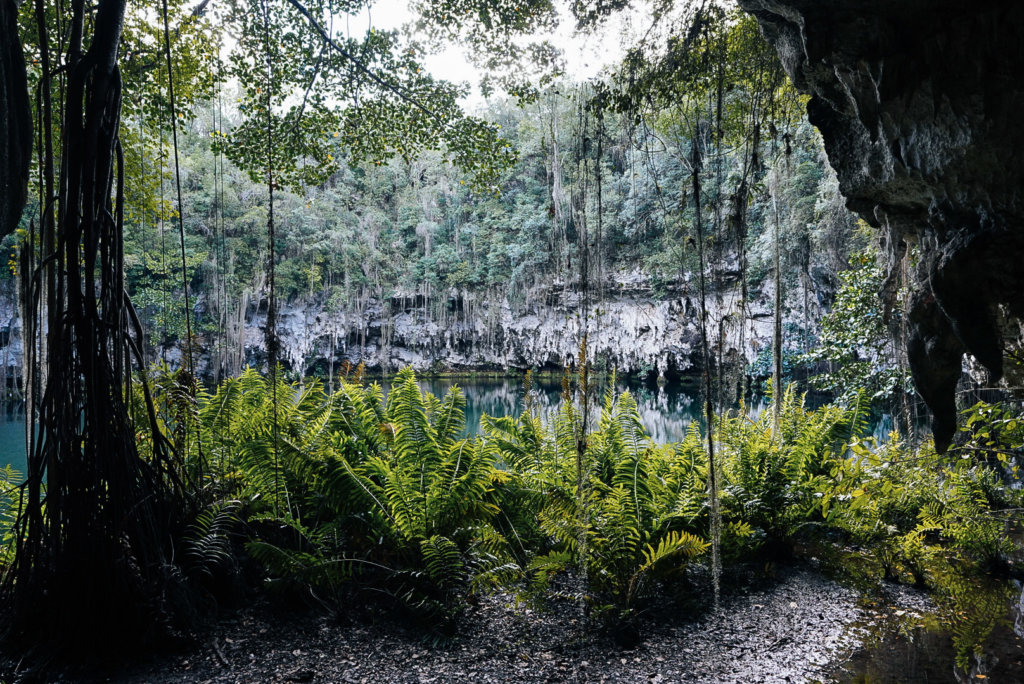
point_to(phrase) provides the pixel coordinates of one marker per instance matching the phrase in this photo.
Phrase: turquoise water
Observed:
(12, 441)
(666, 411)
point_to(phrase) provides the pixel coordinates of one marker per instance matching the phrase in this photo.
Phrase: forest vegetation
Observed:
(192, 169)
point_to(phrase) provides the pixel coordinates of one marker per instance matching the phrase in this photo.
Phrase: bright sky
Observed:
(585, 56)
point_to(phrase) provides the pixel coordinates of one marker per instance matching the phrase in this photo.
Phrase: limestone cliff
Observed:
(635, 324)
(919, 102)
(630, 326)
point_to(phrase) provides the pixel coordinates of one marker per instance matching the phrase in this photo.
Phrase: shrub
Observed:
(363, 494)
(621, 511)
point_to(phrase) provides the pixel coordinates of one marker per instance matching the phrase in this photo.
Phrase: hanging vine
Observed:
(107, 513)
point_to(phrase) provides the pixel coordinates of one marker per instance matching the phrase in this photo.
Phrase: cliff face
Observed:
(919, 105)
(11, 347)
(632, 327)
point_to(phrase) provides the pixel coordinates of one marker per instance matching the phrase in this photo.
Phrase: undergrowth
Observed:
(354, 494)
(8, 511)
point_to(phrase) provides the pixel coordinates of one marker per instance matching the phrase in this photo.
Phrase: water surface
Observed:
(12, 440)
(666, 410)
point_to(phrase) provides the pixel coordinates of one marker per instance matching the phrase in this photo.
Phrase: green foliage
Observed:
(855, 341)
(145, 109)
(355, 494)
(9, 497)
(962, 512)
(774, 480)
(631, 525)
(912, 507)
(937, 521)
(995, 433)
(497, 35)
(208, 542)
(761, 366)
(941, 522)
(349, 493)
(170, 400)
(293, 61)
(358, 493)
(430, 500)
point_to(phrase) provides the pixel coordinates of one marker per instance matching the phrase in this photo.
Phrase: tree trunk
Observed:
(15, 121)
(777, 327)
(93, 566)
(715, 526)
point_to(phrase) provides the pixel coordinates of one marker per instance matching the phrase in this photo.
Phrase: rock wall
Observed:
(631, 327)
(11, 347)
(918, 102)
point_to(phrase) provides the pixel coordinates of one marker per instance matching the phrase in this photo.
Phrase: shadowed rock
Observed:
(918, 103)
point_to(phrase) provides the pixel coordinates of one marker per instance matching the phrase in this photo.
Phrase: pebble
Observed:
(790, 629)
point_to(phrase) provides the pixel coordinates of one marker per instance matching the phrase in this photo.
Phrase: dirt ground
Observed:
(793, 627)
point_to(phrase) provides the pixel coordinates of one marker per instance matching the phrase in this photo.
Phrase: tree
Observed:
(856, 340)
(15, 122)
(97, 549)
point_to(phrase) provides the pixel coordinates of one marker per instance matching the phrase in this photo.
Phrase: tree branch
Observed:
(361, 66)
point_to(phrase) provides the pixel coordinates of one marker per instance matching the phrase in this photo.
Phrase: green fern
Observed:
(775, 475)
(385, 496)
(673, 543)
(207, 544)
(637, 499)
(8, 512)
(442, 560)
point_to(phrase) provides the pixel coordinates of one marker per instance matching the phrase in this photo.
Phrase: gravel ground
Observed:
(794, 628)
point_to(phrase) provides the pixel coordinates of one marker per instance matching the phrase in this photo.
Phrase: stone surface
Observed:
(633, 327)
(788, 630)
(919, 102)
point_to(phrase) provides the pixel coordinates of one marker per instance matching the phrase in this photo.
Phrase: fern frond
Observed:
(443, 562)
(207, 544)
(450, 421)
(674, 543)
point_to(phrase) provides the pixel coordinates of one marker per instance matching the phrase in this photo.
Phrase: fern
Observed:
(673, 543)
(774, 478)
(207, 544)
(8, 508)
(443, 562)
(384, 496)
(635, 503)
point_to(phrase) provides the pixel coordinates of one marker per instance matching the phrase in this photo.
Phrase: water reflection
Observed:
(666, 411)
(975, 636)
